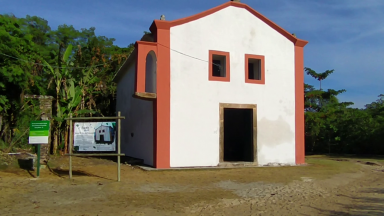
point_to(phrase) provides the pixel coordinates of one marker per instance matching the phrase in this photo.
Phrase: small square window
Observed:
(219, 66)
(254, 69)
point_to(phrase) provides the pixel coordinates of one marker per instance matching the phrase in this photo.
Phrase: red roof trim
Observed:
(161, 24)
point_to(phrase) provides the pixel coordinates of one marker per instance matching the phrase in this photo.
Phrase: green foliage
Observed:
(333, 127)
(74, 66)
(19, 75)
(318, 76)
(16, 131)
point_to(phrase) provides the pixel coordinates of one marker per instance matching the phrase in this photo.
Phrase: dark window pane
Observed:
(254, 69)
(216, 66)
(251, 74)
(257, 69)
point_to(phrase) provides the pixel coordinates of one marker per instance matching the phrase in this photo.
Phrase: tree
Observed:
(334, 127)
(322, 116)
(74, 66)
(19, 75)
(319, 76)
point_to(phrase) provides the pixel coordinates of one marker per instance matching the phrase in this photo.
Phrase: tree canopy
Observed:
(74, 66)
(334, 127)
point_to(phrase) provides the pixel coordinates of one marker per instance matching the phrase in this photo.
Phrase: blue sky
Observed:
(345, 35)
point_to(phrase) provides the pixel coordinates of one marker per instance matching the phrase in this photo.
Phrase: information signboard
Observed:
(94, 136)
(38, 132)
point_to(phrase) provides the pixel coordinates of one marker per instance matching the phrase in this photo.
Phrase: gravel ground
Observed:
(249, 191)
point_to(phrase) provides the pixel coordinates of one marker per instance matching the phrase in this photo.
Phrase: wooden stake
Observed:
(70, 146)
(118, 146)
(38, 160)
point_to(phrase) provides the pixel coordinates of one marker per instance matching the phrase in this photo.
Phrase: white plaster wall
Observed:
(195, 100)
(138, 120)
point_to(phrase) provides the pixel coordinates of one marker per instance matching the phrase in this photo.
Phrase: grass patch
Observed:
(319, 168)
(372, 158)
(7, 162)
(322, 168)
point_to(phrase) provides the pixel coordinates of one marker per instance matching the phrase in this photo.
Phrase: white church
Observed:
(220, 87)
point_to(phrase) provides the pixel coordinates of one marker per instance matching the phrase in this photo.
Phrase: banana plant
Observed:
(68, 94)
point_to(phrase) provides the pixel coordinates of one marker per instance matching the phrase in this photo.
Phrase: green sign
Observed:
(38, 132)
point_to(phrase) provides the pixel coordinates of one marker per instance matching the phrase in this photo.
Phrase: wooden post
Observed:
(38, 160)
(70, 146)
(118, 146)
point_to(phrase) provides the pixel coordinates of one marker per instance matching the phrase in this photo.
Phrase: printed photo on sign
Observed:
(94, 136)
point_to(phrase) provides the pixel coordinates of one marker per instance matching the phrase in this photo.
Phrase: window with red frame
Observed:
(219, 67)
(254, 69)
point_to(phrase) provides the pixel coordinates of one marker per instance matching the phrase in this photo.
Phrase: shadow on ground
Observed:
(124, 159)
(27, 164)
(64, 173)
(360, 206)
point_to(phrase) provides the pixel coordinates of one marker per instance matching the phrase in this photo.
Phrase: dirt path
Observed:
(324, 188)
(360, 194)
